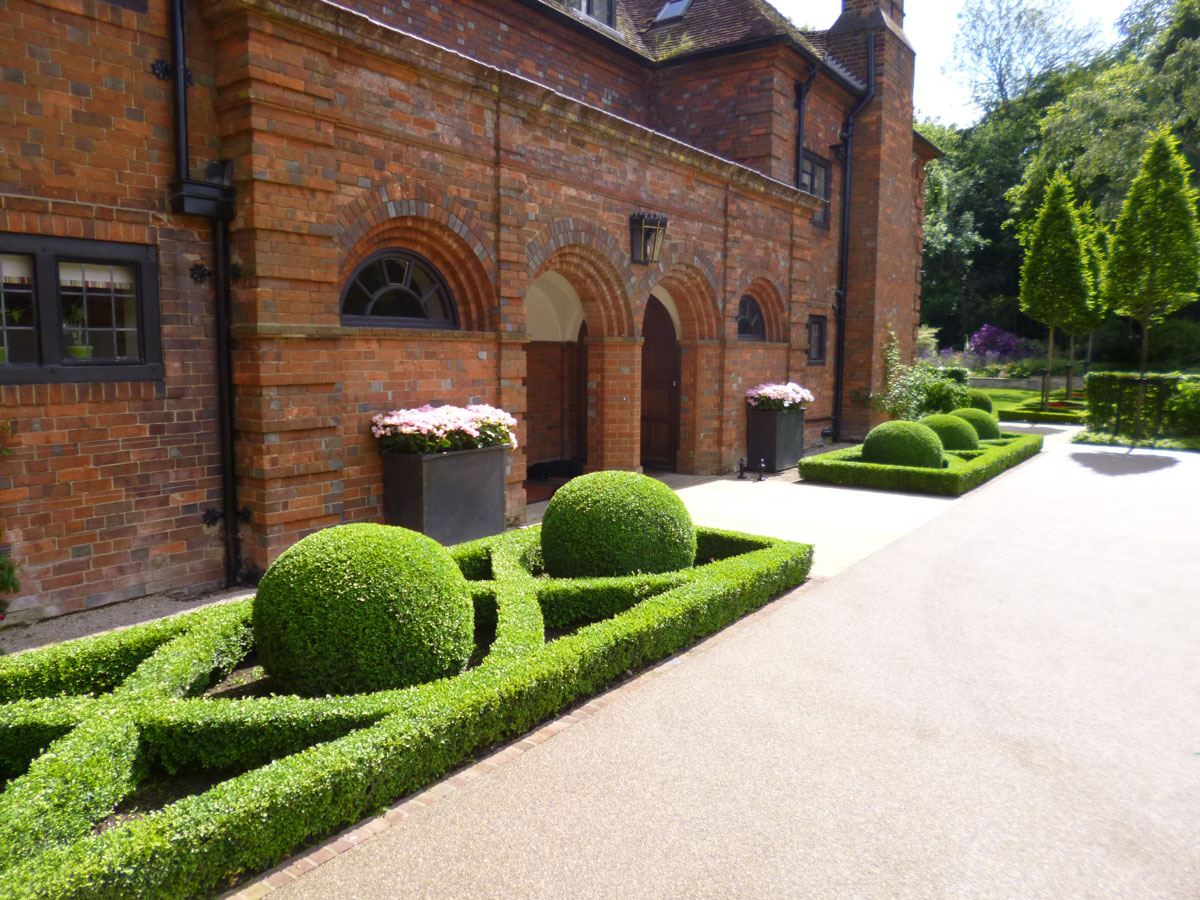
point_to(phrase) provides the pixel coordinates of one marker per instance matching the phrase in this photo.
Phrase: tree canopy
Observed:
(1088, 113)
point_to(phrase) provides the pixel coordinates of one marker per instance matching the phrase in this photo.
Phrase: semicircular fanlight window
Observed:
(751, 325)
(399, 289)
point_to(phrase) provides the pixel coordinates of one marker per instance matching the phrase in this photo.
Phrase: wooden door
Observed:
(660, 388)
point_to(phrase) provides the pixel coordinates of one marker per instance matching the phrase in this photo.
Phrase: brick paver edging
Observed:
(290, 870)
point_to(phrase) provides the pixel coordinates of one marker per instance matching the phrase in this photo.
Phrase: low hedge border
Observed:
(1061, 417)
(250, 822)
(967, 469)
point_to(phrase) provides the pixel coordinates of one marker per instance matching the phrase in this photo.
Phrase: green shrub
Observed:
(918, 390)
(1184, 409)
(337, 759)
(616, 523)
(903, 444)
(965, 469)
(959, 374)
(363, 607)
(985, 424)
(954, 433)
(981, 400)
(1166, 410)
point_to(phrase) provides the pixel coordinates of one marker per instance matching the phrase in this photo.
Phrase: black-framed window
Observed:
(816, 340)
(398, 289)
(814, 178)
(603, 11)
(77, 310)
(750, 322)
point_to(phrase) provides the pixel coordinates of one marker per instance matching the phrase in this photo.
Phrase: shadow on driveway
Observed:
(1123, 463)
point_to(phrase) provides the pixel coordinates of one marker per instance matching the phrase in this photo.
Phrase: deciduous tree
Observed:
(1154, 265)
(1055, 283)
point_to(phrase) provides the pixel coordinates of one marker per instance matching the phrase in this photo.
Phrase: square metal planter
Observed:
(775, 436)
(451, 497)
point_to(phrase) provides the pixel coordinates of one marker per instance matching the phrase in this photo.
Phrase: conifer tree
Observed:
(1154, 264)
(1055, 282)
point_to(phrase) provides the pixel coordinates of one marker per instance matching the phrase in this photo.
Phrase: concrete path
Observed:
(1005, 702)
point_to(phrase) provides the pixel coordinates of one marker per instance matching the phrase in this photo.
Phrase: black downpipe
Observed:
(839, 378)
(212, 199)
(179, 92)
(225, 401)
(802, 88)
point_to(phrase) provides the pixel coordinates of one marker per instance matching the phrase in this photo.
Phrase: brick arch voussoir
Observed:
(469, 282)
(770, 300)
(595, 278)
(695, 298)
(396, 200)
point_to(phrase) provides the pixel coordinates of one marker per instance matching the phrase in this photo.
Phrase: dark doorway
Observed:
(660, 388)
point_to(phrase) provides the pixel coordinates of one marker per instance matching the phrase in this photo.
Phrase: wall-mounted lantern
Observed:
(646, 234)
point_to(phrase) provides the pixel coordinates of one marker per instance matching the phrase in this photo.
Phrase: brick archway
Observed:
(695, 300)
(434, 224)
(599, 285)
(597, 267)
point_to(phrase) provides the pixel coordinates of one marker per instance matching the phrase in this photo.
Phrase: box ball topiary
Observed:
(903, 443)
(616, 523)
(980, 400)
(954, 433)
(364, 607)
(985, 424)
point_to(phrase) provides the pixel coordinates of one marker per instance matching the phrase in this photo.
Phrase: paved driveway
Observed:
(1004, 701)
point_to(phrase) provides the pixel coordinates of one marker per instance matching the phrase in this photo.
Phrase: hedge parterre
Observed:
(86, 721)
(965, 469)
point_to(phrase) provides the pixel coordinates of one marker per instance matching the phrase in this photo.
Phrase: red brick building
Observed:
(233, 230)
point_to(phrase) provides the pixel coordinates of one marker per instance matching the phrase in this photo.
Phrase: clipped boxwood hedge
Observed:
(952, 431)
(902, 443)
(966, 469)
(981, 400)
(310, 766)
(985, 424)
(362, 607)
(616, 523)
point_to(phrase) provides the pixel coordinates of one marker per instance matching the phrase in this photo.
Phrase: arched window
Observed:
(399, 289)
(751, 325)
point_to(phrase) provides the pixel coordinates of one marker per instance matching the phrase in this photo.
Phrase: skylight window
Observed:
(672, 11)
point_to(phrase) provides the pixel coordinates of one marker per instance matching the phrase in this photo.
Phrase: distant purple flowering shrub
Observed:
(995, 344)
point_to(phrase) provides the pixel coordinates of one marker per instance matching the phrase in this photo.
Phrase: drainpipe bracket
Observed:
(202, 198)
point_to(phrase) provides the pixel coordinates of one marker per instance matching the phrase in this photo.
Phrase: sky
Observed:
(930, 26)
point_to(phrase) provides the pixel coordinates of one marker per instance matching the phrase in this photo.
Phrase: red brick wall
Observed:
(347, 138)
(510, 36)
(103, 493)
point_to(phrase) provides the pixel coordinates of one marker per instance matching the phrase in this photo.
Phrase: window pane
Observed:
(397, 270)
(18, 340)
(422, 281)
(96, 300)
(436, 307)
(398, 303)
(357, 300)
(602, 11)
(373, 277)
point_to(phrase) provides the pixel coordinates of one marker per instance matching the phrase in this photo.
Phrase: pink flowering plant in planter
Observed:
(440, 429)
(778, 396)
